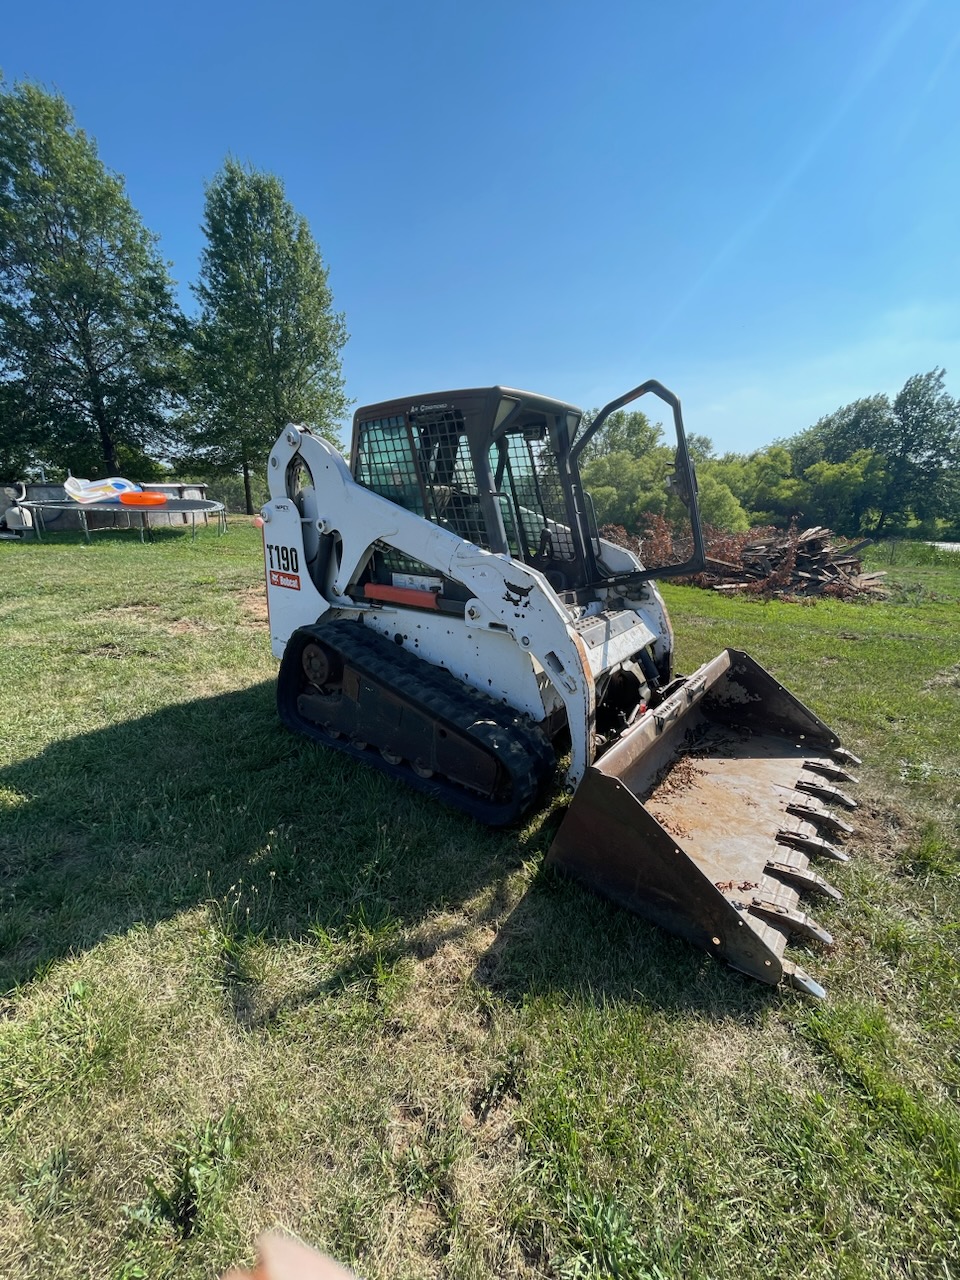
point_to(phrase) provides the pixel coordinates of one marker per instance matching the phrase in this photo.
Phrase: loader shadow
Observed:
(561, 938)
(210, 803)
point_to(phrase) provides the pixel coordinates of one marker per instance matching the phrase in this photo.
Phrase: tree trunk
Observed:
(106, 439)
(97, 406)
(246, 488)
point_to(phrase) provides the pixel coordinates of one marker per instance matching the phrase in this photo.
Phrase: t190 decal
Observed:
(279, 557)
(283, 565)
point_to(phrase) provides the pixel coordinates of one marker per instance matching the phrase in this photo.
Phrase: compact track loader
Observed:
(445, 610)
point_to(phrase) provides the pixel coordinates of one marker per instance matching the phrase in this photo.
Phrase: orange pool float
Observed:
(143, 499)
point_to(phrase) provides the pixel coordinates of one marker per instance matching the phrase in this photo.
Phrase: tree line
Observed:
(101, 372)
(879, 466)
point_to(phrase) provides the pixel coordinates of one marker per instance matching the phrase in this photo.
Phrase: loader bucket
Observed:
(706, 813)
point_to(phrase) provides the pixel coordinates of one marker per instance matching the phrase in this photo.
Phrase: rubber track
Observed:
(521, 749)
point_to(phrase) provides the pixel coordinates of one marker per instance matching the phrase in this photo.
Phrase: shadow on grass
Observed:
(562, 938)
(211, 801)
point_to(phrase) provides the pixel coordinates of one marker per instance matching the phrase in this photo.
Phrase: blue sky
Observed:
(757, 202)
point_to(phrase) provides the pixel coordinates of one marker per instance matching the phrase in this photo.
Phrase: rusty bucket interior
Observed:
(707, 815)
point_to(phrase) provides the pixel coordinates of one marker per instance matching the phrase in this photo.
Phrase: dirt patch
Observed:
(949, 678)
(678, 780)
(880, 829)
(253, 606)
(186, 626)
(721, 1050)
(151, 618)
(105, 651)
(681, 777)
(434, 1009)
(118, 651)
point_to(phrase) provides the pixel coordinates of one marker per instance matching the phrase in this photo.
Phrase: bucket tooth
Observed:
(830, 794)
(794, 976)
(794, 921)
(828, 770)
(820, 818)
(812, 844)
(847, 757)
(804, 879)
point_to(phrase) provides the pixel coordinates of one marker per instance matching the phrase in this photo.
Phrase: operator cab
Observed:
(491, 465)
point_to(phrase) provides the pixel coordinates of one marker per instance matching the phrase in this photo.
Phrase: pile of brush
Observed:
(765, 562)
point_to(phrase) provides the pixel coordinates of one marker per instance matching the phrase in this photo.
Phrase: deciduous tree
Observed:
(627, 469)
(841, 495)
(87, 317)
(718, 505)
(267, 343)
(624, 431)
(916, 438)
(625, 487)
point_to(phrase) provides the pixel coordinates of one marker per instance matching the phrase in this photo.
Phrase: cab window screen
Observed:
(525, 470)
(448, 474)
(422, 463)
(386, 462)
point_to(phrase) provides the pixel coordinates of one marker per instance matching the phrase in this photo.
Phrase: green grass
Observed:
(252, 985)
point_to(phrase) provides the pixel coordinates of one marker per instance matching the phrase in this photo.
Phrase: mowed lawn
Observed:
(251, 985)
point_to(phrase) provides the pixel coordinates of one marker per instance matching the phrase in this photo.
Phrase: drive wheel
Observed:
(321, 665)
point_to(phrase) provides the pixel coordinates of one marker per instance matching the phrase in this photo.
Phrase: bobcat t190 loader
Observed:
(445, 610)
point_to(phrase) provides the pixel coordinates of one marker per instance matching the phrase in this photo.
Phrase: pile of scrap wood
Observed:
(764, 561)
(799, 563)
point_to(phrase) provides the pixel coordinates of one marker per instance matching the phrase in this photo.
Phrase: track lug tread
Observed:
(521, 749)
